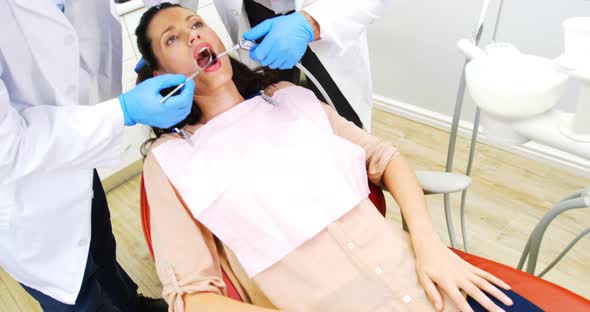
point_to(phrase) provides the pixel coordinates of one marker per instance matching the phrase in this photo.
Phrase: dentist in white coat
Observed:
(335, 30)
(62, 114)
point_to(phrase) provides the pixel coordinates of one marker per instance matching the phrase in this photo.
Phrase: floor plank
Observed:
(509, 195)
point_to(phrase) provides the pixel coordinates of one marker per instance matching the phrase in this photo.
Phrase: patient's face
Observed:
(179, 38)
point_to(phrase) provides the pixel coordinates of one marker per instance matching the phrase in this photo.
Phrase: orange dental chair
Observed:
(544, 294)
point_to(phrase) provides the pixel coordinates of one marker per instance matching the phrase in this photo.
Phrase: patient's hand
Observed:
(437, 265)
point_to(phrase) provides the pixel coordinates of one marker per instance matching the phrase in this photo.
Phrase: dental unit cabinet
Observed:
(516, 96)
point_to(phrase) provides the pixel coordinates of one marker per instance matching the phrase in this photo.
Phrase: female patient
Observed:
(266, 215)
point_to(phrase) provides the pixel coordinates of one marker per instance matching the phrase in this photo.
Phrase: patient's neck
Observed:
(218, 101)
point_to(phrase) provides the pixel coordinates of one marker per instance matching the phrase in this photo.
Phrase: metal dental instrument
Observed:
(455, 129)
(243, 44)
(183, 132)
(184, 135)
(192, 76)
(249, 45)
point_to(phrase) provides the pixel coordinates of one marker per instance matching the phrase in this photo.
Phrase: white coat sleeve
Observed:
(342, 22)
(189, 4)
(44, 138)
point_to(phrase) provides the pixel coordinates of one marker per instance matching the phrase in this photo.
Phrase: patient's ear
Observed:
(157, 73)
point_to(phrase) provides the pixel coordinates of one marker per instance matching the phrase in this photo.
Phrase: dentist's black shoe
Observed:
(146, 304)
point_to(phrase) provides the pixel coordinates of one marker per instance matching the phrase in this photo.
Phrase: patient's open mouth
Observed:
(204, 56)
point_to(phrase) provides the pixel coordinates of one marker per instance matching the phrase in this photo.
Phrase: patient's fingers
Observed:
(491, 289)
(475, 293)
(490, 277)
(458, 298)
(431, 291)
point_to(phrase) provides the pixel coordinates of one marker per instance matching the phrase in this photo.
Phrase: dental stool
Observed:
(544, 294)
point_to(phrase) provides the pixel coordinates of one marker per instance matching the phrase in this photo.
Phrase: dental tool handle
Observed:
(237, 46)
(316, 83)
(179, 131)
(191, 77)
(482, 15)
(174, 91)
(184, 135)
(182, 84)
(244, 44)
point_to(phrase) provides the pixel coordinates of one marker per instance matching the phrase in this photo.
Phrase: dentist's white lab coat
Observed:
(343, 46)
(52, 67)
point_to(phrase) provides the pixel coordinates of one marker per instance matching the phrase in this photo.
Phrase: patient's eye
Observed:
(171, 40)
(197, 25)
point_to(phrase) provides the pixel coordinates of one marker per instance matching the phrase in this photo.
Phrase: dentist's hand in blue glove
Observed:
(142, 103)
(285, 40)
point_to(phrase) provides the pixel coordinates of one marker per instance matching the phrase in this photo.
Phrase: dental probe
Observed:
(243, 44)
(192, 76)
(183, 132)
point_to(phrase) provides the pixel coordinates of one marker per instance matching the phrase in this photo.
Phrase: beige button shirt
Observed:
(359, 263)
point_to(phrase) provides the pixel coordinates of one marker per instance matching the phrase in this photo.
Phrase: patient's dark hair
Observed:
(247, 81)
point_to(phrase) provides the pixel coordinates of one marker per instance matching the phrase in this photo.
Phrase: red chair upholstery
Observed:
(544, 294)
(144, 208)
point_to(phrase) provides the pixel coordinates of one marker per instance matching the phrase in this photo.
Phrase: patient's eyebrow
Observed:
(171, 27)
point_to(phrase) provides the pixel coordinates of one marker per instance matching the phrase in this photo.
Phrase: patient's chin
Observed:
(208, 82)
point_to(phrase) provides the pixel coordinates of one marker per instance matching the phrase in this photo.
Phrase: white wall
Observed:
(413, 54)
(413, 48)
(413, 51)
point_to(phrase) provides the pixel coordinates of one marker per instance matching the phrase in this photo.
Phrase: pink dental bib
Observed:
(265, 179)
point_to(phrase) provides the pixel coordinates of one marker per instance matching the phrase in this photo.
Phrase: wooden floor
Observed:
(508, 196)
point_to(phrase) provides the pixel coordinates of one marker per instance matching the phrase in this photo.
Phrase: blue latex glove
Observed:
(285, 40)
(139, 65)
(142, 103)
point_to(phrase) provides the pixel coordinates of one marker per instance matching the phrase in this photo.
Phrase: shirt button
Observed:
(406, 299)
(234, 12)
(350, 245)
(378, 270)
(69, 39)
(82, 242)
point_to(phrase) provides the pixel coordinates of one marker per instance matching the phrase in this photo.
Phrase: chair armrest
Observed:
(439, 182)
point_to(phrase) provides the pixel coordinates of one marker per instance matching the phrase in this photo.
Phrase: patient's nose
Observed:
(193, 37)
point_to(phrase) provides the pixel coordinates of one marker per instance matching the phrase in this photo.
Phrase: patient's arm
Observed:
(186, 256)
(386, 167)
(378, 151)
(438, 268)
